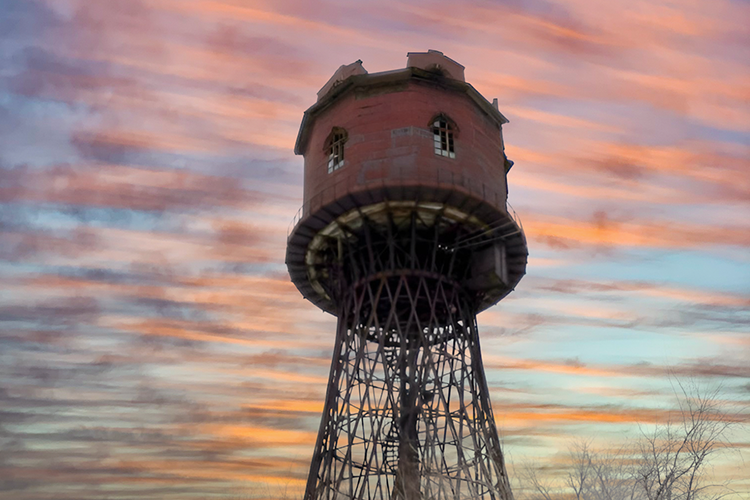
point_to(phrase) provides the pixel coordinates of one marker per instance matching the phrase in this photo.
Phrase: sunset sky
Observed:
(151, 343)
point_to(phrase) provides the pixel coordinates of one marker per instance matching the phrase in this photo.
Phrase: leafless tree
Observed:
(537, 485)
(674, 457)
(591, 475)
(579, 475)
(670, 461)
(613, 476)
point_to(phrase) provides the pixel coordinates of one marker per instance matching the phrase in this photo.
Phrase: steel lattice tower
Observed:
(405, 235)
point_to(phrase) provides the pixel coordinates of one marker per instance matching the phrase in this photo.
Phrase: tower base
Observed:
(407, 413)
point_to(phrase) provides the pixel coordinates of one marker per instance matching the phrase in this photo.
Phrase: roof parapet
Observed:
(432, 65)
(435, 61)
(341, 74)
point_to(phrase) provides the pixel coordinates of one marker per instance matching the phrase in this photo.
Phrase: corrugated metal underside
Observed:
(486, 221)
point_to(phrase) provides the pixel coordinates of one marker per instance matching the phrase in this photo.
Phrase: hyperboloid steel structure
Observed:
(405, 235)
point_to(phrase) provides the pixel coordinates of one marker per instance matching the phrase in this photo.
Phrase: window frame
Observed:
(444, 133)
(335, 146)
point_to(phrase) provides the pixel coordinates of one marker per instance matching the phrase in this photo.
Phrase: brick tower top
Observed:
(417, 143)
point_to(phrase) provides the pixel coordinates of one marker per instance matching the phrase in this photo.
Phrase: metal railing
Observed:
(443, 177)
(514, 216)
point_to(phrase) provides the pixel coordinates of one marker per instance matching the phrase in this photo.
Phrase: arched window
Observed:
(442, 131)
(335, 147)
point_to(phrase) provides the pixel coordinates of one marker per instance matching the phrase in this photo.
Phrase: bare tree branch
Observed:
(669, 461)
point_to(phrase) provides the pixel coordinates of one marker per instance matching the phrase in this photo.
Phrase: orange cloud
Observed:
(691, 172)
(125, 187)
(694, 160)
(521, 414)
(311, 407)
(259, 436)
(555, 120)
(572, 188)
(648, 289)
(567, 367)
(698, 296)
(560, 233)
(193, 332)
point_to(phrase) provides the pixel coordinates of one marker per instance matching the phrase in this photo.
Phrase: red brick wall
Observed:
(390, 141)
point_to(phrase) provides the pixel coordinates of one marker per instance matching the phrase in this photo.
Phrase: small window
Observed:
(443, 134)
(336, 150)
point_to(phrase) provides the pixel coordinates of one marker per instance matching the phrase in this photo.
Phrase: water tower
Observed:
(405, 235)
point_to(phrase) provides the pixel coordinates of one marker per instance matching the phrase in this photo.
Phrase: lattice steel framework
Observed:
(407, 413)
